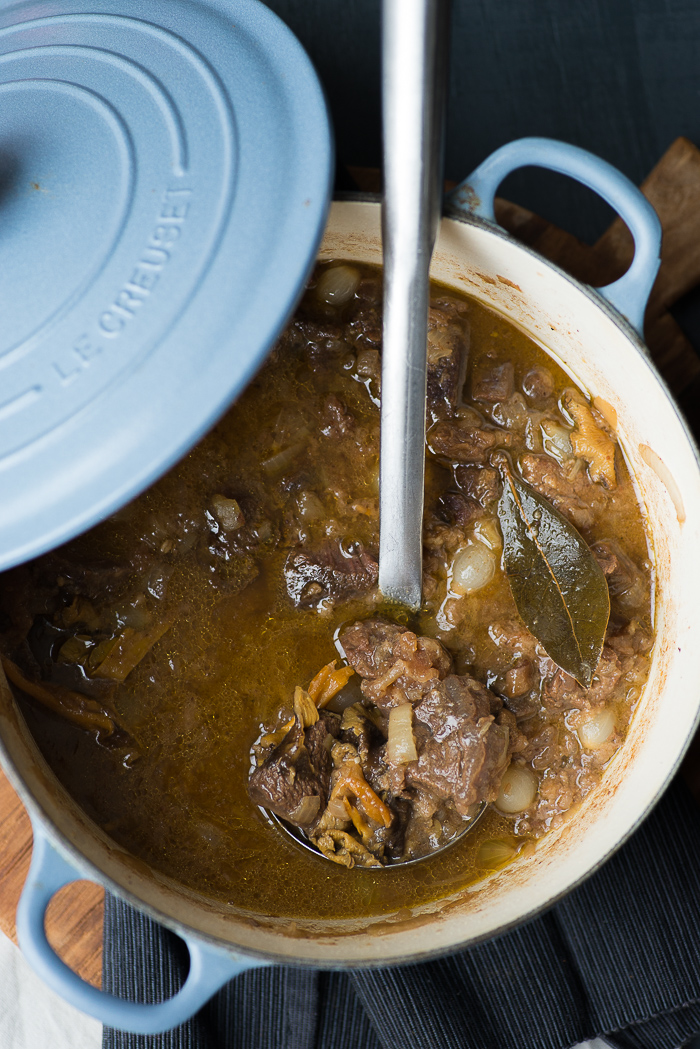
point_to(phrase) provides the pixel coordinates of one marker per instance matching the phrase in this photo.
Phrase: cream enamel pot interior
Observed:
(602, 351)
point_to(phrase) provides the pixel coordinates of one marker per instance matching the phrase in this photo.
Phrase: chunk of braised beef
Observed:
(317, 740)
(538, 384)
(605, 558)
(394, 837)
(441, 539)
(445, 377)
(317, 335)
(432, 825)
(387, 780)
(396, 665)
(459, 509)
(478, 482)
(512, 634)
(626, 581)
(98, 580)
(492, 380)
(294, 781)
(630, 640)
(369, 644)
(330, 572)
(447, 358)
(558, 690)
(337, 419)
(577, 498)
(517, 740)
(467, 751)
(461, 442)
(562, 692)
(454, 697)
(363, 312)
(519, 679)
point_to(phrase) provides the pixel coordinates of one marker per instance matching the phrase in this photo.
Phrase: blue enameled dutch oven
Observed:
(159, 233)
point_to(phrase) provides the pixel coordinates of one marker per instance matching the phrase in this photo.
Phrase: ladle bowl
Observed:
(297, 835)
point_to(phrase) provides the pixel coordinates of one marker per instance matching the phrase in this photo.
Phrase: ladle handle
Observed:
(414, 63)
(629, 294)
(210, 968)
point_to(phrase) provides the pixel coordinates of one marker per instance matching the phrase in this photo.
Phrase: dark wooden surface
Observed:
(75, 916)
(673, 187)
(619, 77)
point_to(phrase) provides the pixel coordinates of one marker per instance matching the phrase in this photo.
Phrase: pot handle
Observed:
(630, 293)
(210, 968)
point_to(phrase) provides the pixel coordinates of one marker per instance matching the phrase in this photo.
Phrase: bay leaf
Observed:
(558, 586)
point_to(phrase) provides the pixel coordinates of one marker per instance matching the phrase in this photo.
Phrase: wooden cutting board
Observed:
(74, 921)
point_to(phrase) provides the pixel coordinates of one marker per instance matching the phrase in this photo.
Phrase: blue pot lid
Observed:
(165, 171)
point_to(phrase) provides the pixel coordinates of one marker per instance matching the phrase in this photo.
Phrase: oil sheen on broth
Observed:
(187, 584)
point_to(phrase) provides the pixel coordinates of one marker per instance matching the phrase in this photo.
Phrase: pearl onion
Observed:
(337, 285)
(598, 729)
(518, 790)
(472, 568)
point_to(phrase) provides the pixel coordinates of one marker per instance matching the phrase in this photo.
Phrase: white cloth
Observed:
(32, 1016)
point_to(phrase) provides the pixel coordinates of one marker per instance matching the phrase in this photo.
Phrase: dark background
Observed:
(619, 77)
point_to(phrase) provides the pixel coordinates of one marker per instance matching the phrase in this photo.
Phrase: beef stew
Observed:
(151, 652)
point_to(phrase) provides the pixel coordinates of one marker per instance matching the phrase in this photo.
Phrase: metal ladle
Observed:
(414, 75)
(300, 838)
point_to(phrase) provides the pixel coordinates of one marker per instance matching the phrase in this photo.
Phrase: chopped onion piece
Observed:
(228, 513)
(518, 790)
(306, 811)
(441, 343)
(598, 729)
(280, 462)
(473, 567)
(305, 708)
(339, 808)
(556, 440)
(401, 746)
(310, 506)
(487, 531)
(493, 853)
(512, 413)
(337, 285)
(368, 364)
